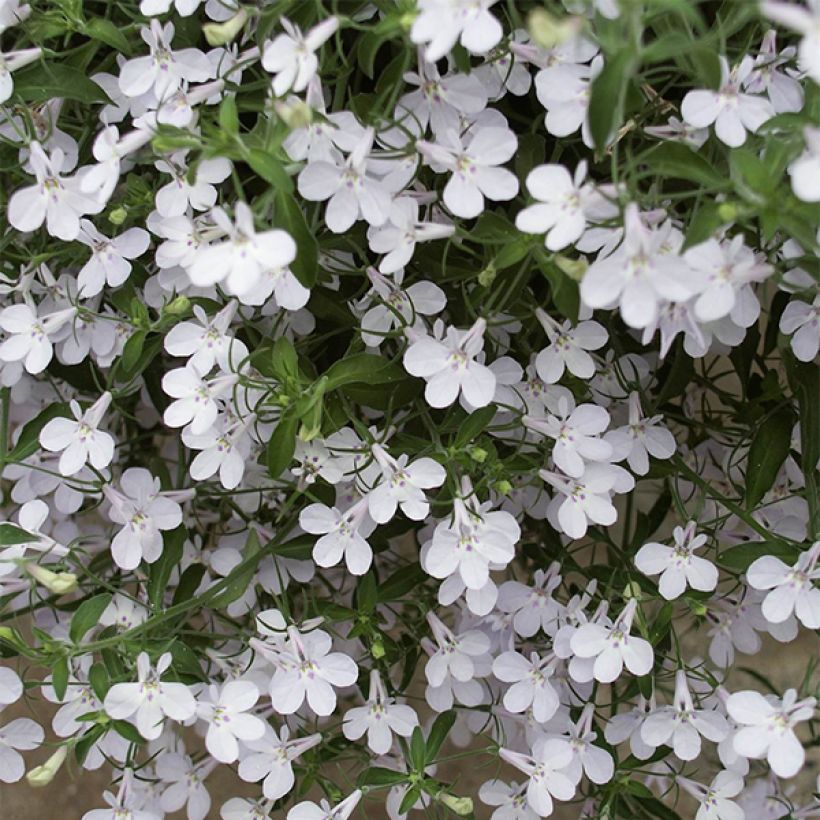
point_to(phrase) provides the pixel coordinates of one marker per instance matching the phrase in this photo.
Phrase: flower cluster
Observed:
(385, 386)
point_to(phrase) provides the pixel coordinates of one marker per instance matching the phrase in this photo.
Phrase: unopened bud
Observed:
(632, 590)
(43, 775)
(503, 487)
(58, 583)
(118, 215)
(462, 806)
(574, 268)
(178, 306)
(548, 31)
(220, 34)
(698, 607)
(487, 276)
(727, 211)
(377, 650)
(294, 113)
(407, 19)
(478, 454)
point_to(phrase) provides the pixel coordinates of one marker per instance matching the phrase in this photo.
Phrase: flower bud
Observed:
(294, 113)
(178, 306)
(220, 34)
(377, 650)
(487, 276)
(462, 806)
(503, 487)
(118, 215)
(43, 775)
(574, 268)
(548, 31)
(59, 583)
(478, 454)
(727, 211)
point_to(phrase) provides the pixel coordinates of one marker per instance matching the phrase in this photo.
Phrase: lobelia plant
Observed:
(411, 407)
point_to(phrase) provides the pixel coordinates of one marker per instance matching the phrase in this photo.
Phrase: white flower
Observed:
(308, 810)
(340, 535)
(224, 450)
(110, 258)
(227, 720)
(733, 112)
(568, 348)
(767, 728)
(792, 588)
(402, 485)
(677, 565)
(175, 198)
(11, 61)
(641, 272)
(244, 257)
(803, 321)
(564, 91)
(164, 70)
(714, 800)
(196, 398)
(546, 769)
(308, 669)
(352, 191)
(379, 717)
(11, 687)
(511, 800)
(627, 725)
(120, 810)
(56, 200)
(207, 341)
(783, 89)
(271, 758)
(805, 170)
(398, 237)
(531, 683)
(185, 787)
(564, 204)
(532, 607)
(291, 56)
(587, 758)
(442, 23)
(682, 724)
(722, 269)
(79, 439)
(24, 734)
(641, 438)
(30, 336)
(585, 499)
(149, 701)
(449, 367)
(805, 21)
(613, 647)
(474, 165)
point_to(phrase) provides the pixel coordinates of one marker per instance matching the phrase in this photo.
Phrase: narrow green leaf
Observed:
(239, 583)
(474, 425)
(740, 557)
(59, 677)
(401, 582)
(607, 97)
(10, 534)
(161, 569)
(88, 615)
(367, 593)
(365, 368)
(270, 169)
(438, 733)
(106, 32)
(418, 756)
(377, 776)
(41, 82)
(768, 451)
(29, 440)
(282, 444)
(674, 159)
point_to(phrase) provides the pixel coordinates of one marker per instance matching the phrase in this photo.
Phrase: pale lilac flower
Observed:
(196, 398)
(207, 341)
(270, 760)
(511, 800)
(442, 23)
(805, 21)
(30, 336)
(110, 261)
(20, 734)
(322, 810)
(715, 799)
(587, 758)
(801, 321)
(642, 437)
(10, 61)
(531, 687)
(340, 535)
(583, 500)
(291, 56)
(184, 788)
(783, 89)
(227, 718)
(546, 769)
(177, 196)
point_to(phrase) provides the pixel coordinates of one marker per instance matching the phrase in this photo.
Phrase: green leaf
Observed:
(282, 444)
(409, 800)
(240, 582)
(43, 82)
(10, 534)
(284, 361)
(290, 217)
(127, 731)
(740, 557)
(189, 583)
(377, 776)
(438, 733)
(88, 615)
(228, 116)
(160, 572)
(59, 677)
(607, 97)
(367, 593)
(99, 681)
(365, 368)
(106, 32)
(84, 744)
(474, 425)
(768, 451)
(674, 159)
(299, 548)
(29, 440)
(418, 756)
(401, 582)
(270, 169)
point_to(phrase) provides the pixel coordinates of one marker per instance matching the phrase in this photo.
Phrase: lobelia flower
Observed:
(227, 720)
(640, 273)
(546, 769)
(613, 647)
(511, 800)
(805, 170)
(145, 513)
(474, 165)
(568, 348)
(449, 367)
(164, 70)
(793, 589)
(801, 321)
(767, 728)
(721, 270)
(54, 199)
(627, 726)
(291, 56)
(564, 91)
(715, 799)
(353, 193)
(533, 607)
(20, 734)
(79, 440)
(150, 700)
(575, 431)
(323, 810)
(224, 450)
(271, 758)
(402, 485)
(196, 398)
(531, 687)
(784, 91)
(805, 21)
(241, 260)
(185, 787)
(585, 499)
(10, 61)
(732, 112)
(563, 206)
(110, 258)
(682, 724)
(308, 669)
(442, 23)
(119, 809)
(11, 687)
(397, 238)
(175, 198)
(30, 336)
(587, 758)
(207, 341)
(244, 808)
(379, 718)
(641, 438)
(677, 565)
(340, 535)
